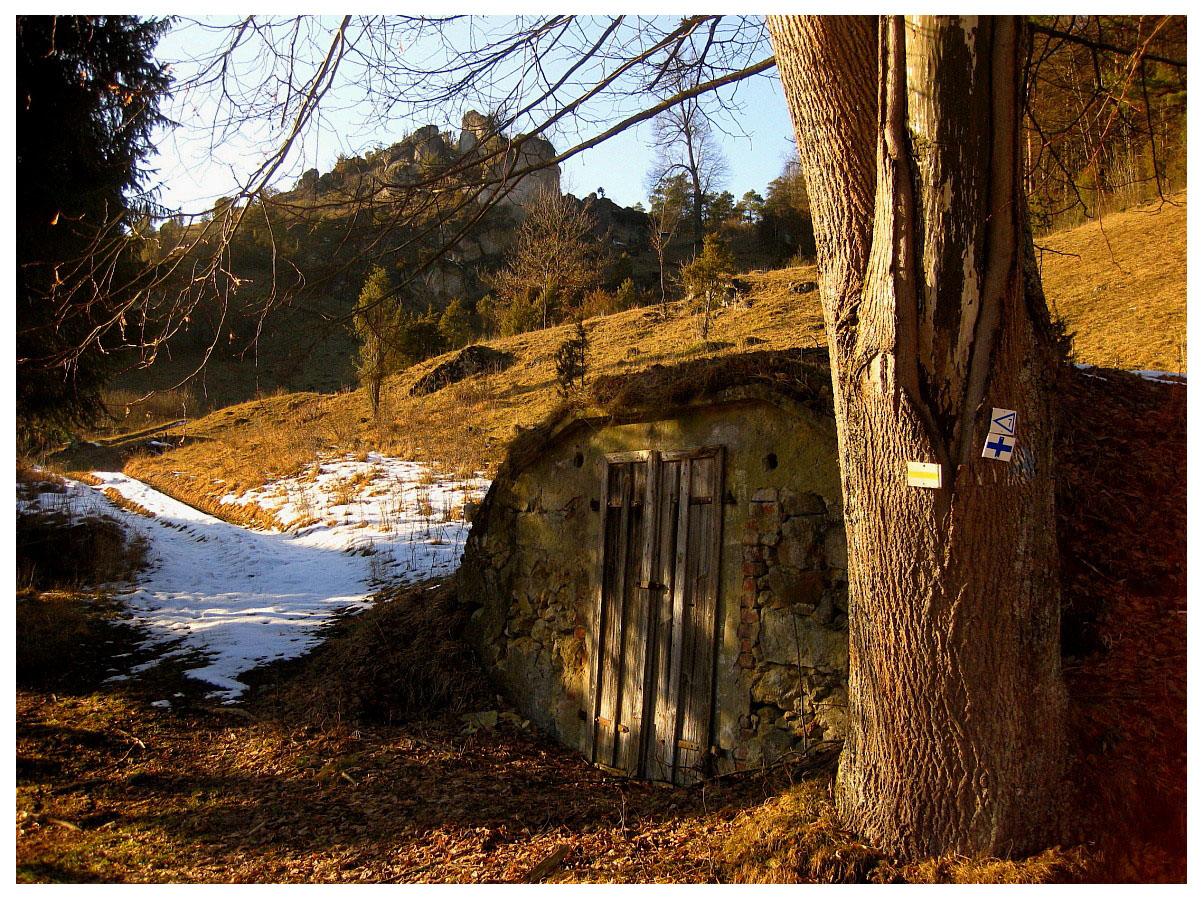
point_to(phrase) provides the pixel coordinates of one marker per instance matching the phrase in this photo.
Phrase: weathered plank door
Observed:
(654, 623)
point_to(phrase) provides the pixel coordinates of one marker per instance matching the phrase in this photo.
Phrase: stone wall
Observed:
(793, 624)
(530, 574)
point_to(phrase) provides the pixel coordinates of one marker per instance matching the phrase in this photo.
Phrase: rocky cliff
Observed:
(478, 153)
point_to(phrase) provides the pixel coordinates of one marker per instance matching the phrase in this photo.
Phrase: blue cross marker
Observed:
(1000, 447)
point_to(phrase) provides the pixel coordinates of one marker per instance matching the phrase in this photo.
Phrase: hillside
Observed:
(1121, 286)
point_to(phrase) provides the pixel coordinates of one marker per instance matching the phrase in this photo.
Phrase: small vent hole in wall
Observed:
(579, 460)
(771, 461)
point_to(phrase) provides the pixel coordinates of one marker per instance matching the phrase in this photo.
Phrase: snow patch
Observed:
(1164, 377)
(1148, 374)
(235, 598)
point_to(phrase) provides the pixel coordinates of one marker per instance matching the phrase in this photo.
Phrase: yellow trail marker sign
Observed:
(926, 475)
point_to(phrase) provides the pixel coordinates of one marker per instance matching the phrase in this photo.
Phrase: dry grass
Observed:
(1121, 286)
(132, 410)
(356, 765)
(1122, 506)
(61, 549)
(795, 838)
(399, 660)
(1126, 306)
(465, 427)
(62, 559)
(124, 502)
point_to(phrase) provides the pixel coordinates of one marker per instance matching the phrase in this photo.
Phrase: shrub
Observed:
(570, 361)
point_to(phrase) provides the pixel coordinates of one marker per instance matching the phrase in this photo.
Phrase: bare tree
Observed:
(665, 217)
(273, 76)
(1106, 119)
(555, 259)
(687, 144)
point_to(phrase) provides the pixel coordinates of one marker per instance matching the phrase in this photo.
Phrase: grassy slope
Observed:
(1124, 289)
(1126, 304)
(464, 427)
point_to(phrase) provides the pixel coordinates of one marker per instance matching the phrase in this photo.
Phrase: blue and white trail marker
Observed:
(999, 446)
(1004, 421)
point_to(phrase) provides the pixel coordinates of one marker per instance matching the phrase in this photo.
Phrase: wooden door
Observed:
(654, 625)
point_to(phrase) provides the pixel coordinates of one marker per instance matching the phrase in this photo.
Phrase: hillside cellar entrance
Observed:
(651, 681)
(659, 581)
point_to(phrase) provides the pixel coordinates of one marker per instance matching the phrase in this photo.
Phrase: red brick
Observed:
(750, 584)
(766, 509)
(749, 615)
(743, 630)
(745, 661)
(580, 632)
(754, 568)
(745, 648)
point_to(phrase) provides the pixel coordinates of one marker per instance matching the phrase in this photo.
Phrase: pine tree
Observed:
(455, 325)
(376, 317)
(88, 91)
(705, 275)
(570, 361)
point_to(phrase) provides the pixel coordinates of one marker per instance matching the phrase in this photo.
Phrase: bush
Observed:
(518, 315)
(628, 296)
(570, 361)
(455, 326)
(599, 303)
(706, 275)
(133, 409)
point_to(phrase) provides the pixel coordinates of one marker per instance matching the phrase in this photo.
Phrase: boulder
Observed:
(469, 361)
(777, 684)
(796, 587)
(802, 503)
(835, 547)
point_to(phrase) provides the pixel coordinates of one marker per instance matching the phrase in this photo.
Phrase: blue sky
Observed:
(195, 167)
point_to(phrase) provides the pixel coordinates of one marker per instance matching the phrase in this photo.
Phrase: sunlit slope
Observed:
(1121, 286)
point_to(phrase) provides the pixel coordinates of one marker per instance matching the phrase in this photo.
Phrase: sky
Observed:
(197, 162)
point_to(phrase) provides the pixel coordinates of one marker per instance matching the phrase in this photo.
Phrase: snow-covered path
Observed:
(242, 598)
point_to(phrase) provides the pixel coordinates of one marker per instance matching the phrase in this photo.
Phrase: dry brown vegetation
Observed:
(1126, 306)
(462, 428)
(355, 765)
(1121, 285)
(352, 764)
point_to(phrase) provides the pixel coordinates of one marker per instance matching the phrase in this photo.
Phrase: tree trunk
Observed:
(934, 313)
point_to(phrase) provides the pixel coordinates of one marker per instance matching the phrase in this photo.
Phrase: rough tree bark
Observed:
(908, 133)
